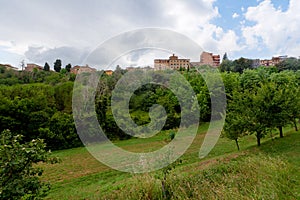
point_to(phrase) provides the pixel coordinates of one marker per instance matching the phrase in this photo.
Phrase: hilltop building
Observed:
(273, 61)
(31, 66)
(8, 67)
(81, 69)
(209, 59)
(108, 72)
(172, 63)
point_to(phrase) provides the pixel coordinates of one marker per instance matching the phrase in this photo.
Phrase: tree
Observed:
(252, 107)
(225, 57)
(234, 127)
(46, 67)
(226, 65)
(22, 65)
(68, 67)
(57, 65)
(289, 64)
(288, 97)
(18, 177)
(241, 64)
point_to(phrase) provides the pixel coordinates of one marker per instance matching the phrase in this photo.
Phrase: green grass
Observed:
(80, 176)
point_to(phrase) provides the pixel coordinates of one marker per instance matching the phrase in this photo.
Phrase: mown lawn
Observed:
(80, 176)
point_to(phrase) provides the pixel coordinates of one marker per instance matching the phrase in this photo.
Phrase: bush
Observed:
(18, 177)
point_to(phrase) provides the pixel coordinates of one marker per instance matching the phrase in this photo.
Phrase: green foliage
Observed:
(172, 135)
(265, 100)
(241, 64)
(19, 178)
(35, 109)
(289, 64)
(63, 71)
(226, 65)
(238, 65)
(247, 177)
(80, 176)
(259, 100)
(62, 132)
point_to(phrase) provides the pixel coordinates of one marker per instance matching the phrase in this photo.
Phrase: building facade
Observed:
(209, 59)
(109, 72)
(82, 69)
(9, 67)
(274, 61)
(172, 63)
(31, 66)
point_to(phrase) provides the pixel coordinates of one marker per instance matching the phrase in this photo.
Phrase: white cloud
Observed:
(197, 25)
(41, 30)
(277, 30)
(235, 15)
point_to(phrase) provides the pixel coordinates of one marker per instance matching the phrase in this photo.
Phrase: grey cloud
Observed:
(152, 38)
(73, 25)
(66, 54)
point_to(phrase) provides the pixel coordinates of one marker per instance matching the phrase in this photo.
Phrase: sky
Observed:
(40, 31)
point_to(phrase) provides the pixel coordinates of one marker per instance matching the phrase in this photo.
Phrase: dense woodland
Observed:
(38, 104)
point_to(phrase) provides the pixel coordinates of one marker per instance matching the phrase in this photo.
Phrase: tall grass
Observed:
(271, 171)
(246, 177)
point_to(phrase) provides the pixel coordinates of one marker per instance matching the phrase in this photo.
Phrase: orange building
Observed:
(108, 72)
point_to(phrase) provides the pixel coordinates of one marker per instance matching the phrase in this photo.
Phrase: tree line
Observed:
(261, 101)
(38, 104)
(241, 64)
(36, 108)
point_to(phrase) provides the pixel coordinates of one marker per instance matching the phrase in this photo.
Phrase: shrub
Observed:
(18, 177)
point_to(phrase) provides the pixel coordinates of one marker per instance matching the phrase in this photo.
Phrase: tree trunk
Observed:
(295, 125)
(258, 139)
(280, 131)
(237, 144)
(163, 186)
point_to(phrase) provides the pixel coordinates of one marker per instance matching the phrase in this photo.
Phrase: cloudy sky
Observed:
(41, 31)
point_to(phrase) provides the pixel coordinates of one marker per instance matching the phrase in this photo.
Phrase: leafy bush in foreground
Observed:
(18, 177)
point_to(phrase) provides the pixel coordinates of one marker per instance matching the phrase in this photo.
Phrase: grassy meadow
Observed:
(271, 171)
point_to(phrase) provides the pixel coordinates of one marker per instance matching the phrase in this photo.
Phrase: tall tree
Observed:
(68, 67)
(241, 64)
(46, 67)
(57, 65)
(226, 65)
(225, 57)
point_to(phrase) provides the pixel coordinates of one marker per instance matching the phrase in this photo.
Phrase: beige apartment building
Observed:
(172, 63)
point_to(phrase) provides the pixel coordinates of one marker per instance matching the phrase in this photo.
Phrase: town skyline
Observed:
(170, 62)
(251, 29)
